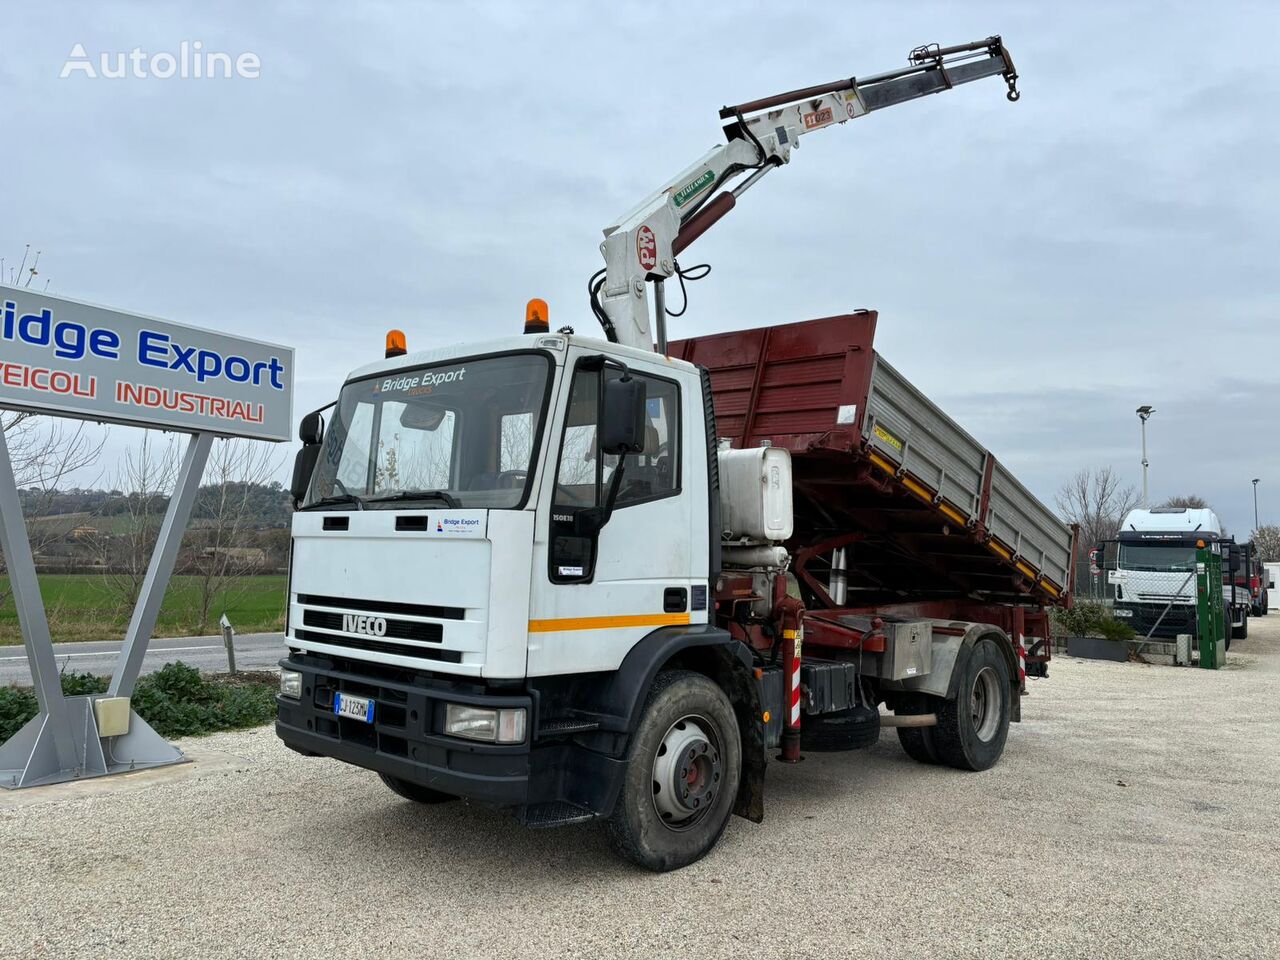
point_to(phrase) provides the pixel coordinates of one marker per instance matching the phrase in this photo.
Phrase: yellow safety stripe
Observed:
(562, 624)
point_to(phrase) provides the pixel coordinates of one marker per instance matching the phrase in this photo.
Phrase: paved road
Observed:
(254, 651)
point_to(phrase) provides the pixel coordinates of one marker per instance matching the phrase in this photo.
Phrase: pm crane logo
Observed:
(369, 626)
(646, 248)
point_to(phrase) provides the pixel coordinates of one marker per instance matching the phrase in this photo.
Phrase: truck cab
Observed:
(1154, 575)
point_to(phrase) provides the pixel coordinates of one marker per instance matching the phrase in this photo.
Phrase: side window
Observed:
(654, 472)
(578, 472)
(584, 475)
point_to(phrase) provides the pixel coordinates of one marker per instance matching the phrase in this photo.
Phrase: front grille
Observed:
(396, 629)
(384, 606)
(379, 646)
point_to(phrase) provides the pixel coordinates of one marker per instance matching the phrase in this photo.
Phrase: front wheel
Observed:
(682, 774)
(973, 727)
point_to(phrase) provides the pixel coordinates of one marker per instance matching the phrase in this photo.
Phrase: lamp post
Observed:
(1255, 504)
(1144, 413)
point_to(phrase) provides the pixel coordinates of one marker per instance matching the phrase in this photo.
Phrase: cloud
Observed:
(1040, 268)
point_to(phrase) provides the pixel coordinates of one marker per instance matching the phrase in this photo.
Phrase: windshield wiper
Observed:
(330, 501)
(345, 497)
(442, 495)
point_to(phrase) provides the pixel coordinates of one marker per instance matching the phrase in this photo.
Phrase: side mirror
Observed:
(311, 433)
(311, 429)
(304, 465)
(1233, 557)
(1099, 551)
(622, 416)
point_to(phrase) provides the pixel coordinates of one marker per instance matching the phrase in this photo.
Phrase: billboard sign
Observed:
(75, 359)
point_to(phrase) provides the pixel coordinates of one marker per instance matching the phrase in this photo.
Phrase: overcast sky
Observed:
(1040, 268)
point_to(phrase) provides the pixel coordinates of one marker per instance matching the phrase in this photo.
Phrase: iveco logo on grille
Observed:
(369, 626)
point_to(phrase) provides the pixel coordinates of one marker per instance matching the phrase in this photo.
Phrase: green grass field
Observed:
(83, 607)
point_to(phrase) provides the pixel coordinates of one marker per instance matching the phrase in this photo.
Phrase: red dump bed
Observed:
(925, 512)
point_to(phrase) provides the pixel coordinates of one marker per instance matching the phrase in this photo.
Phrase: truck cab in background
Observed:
(1155, 566)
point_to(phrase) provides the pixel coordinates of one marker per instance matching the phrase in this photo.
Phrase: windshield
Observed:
(1157, 557)
(458, 434)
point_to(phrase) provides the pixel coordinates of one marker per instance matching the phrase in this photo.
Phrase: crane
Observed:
(641, 247)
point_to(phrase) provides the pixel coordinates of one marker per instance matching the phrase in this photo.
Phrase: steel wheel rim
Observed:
(687, 770)
(984, 704)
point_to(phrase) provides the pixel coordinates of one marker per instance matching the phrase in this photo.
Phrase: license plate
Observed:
(1123, 613)
(357, 708)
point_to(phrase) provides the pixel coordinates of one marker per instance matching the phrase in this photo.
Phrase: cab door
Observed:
(596, 592)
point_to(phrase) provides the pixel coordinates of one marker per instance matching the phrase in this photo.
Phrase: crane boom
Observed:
(641, 247)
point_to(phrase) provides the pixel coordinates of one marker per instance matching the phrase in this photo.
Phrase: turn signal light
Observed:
(536, 317)
(396, 346)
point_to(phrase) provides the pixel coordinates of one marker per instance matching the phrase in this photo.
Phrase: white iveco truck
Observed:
(582, 578)
(1155, 565)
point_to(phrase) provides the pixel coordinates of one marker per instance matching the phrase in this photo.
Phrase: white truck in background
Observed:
(1155, 566)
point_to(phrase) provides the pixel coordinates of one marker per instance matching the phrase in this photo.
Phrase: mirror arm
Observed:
(615, 485)
(589, 522)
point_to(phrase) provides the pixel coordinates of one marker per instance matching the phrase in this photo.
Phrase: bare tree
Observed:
(1191, 501)
(14, 275)
(221, 559)
(1097, 501)
(1266, 540)
(146, 477)
(45, 450)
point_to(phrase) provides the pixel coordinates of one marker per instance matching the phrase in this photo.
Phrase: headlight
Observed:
(482, 723)
(291, 684)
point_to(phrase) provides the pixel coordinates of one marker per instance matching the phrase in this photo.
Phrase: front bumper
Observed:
(1181, 618)
(406, 741)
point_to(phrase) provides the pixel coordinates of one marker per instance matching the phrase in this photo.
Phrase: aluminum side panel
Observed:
(915, 434)
(1028, 527)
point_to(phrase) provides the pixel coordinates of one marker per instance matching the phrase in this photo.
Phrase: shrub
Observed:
(1113, 629)
(176, 700)
(16, 708)
(1089, 618)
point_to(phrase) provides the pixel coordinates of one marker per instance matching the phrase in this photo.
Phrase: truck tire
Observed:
(972, 728)
(917, 741)
(1241, 632)
(854, 729)
(682, 774)
(414, 791)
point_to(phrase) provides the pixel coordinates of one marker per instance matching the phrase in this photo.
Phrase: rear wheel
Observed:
(414, 791)
(972, 728)
(682, 774)
(917, 741)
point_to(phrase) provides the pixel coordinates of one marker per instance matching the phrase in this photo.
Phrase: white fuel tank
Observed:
(755, 493)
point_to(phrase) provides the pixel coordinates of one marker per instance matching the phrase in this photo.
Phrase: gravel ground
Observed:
(1133, 815)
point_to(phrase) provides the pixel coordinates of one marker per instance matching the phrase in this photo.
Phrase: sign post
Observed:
(66, 358)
